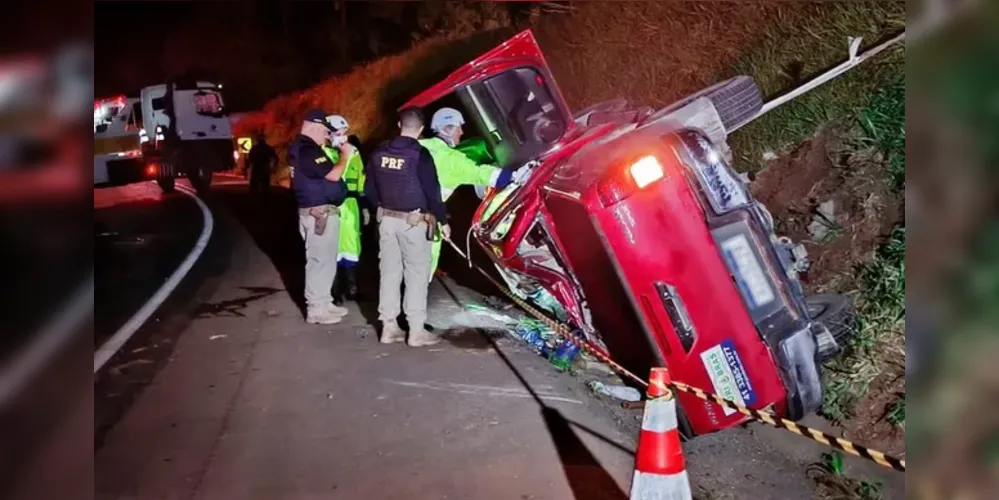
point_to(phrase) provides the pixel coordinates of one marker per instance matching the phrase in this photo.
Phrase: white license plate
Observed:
(748, 271)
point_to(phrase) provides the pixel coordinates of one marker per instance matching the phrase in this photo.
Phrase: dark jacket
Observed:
(309, 181)
(401, 176)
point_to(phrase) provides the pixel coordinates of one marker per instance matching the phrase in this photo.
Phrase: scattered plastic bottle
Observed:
(621, 392)
(564, 355)
(532, 335)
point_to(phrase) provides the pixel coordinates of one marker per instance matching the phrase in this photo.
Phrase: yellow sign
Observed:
(244, 143)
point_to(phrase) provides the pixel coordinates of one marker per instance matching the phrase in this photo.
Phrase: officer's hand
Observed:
(446, 231)
(347, 149)
(365, 216)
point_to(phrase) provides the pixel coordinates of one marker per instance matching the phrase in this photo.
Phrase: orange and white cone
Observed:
(660, 469)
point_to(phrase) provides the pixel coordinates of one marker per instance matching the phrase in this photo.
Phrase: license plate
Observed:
(728, 375)
(749, 274)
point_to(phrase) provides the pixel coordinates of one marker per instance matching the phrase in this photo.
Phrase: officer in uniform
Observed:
(345, 284)
(402, 183)
(454, 168)
(319, 191)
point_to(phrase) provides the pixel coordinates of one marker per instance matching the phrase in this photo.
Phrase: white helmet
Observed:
(444, 117)
(337, 122)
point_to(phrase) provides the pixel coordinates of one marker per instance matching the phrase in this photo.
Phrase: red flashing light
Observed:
(621, 183)
(151, 170)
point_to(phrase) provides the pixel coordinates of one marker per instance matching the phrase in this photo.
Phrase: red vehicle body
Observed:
(633, 228)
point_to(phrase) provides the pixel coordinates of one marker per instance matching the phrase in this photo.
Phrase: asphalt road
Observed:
(227, 393)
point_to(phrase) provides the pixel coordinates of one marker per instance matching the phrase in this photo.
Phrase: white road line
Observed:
(483, 390)
(111, 346)
(49, 339)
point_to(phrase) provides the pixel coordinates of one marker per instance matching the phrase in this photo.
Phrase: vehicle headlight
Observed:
(721, 185)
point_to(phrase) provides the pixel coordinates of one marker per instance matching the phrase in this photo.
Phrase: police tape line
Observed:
(766, 417)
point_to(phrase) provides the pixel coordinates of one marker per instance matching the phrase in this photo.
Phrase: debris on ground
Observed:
(545, 342)
(621, 392)
(593, 366)
(824, 221)
(633, 405)
(486, 311)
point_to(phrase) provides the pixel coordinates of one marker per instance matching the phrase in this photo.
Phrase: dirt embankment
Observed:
(838, 202)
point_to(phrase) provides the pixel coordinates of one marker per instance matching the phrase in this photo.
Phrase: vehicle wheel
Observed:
(836, 313)
(200, 172)
(167, 184)
(737, 100)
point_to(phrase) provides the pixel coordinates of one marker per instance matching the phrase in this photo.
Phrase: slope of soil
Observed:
(827, 168)
(821, 170)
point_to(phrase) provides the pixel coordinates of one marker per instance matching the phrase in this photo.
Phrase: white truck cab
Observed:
(186, 132)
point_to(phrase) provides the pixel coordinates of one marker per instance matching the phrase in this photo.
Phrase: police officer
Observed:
(402, 183)
(454, 168)
(319, 191)
(345, 284)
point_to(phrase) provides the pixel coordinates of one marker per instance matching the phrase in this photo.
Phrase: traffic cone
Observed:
(660, 469)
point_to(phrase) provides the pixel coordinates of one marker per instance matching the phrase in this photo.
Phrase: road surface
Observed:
(227, 393)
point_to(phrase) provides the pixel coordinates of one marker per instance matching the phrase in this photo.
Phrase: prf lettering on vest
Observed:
(393, 163)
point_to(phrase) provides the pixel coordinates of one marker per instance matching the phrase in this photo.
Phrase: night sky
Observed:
(257, 49)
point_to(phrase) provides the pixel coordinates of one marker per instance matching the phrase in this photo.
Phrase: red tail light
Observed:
(152, 169)
(621, 183)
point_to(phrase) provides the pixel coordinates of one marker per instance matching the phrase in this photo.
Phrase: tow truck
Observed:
(117, 154)
(186, 133)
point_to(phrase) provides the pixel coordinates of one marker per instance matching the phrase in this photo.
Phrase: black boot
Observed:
(350, 276)
(339, 285)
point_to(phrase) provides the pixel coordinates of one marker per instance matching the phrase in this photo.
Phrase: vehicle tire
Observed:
(836, 312)
(737, 100)
(199, 170)
(167, 184)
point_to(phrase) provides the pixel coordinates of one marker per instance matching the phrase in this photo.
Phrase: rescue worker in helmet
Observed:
(454, 169)
(351, 211)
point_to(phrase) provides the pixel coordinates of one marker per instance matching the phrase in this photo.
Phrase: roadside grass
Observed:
(791, 53)
(881, 295)
(870, 100)
(833, 484)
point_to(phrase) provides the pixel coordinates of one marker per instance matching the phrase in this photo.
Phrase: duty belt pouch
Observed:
(321, 214)
(431, 221)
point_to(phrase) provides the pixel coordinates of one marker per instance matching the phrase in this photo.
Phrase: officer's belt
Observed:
(398, 214)
(329, 209)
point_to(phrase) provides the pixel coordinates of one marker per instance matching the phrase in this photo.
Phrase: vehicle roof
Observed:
(162, 86)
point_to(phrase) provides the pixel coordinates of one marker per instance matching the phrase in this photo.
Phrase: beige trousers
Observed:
(404, 256)
(320, 259)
